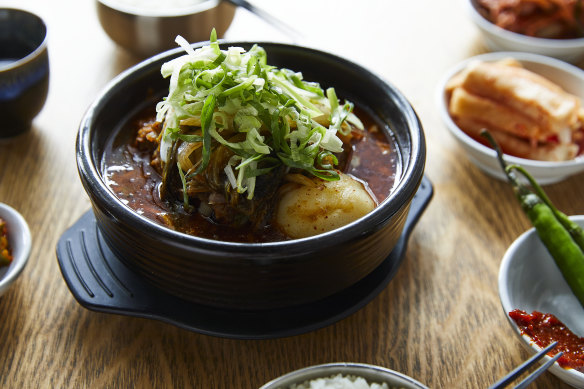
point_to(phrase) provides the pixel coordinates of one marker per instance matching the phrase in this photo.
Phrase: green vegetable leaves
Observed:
(206, 119)
(264, 115)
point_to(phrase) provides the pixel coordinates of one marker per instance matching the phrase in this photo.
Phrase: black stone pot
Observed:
(261, 275)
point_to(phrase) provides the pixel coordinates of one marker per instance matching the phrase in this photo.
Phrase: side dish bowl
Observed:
(20, 242)
(530, 280)
(147, 31)
(569, 77)
(252, 275)
(499, 39)
(371, 373)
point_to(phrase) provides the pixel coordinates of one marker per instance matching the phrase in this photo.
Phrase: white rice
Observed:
(339, 382)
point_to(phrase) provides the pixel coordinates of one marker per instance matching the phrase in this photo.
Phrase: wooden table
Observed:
(439, 320)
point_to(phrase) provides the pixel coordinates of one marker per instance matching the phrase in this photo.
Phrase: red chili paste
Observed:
(544, 329)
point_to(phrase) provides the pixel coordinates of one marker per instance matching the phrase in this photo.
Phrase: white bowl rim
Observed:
(197, 7)
(337, 367)
(21, 256)
(572, 70)
(570, 375)
(573, 43)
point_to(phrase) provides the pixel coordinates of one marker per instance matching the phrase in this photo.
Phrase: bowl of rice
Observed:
(344, 376)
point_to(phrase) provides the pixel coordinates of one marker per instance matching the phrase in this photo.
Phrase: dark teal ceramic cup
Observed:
(24, 70)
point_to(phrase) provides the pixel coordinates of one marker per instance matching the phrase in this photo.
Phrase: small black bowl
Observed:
(24, 70)
(252, 275)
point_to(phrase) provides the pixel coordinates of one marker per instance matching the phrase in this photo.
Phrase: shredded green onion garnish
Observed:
(281, 116)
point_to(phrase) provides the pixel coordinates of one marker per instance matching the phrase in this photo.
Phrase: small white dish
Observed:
(530, 280)
(372, 373)
(499, 39)
(567, 76)
(20, 242)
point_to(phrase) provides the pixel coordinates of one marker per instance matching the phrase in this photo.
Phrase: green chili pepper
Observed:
(567, 254)
(573, 228)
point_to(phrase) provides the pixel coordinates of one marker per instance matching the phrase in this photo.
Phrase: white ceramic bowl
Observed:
(499, 39)
(372, 373)
(530, 280)
(565, 75)
(20, 243)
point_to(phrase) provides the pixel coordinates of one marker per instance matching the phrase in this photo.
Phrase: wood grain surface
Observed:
(439, 320)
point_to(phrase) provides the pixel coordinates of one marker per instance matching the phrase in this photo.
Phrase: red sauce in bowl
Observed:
(544, 329)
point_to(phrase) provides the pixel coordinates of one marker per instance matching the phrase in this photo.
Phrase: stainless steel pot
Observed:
(146, 32)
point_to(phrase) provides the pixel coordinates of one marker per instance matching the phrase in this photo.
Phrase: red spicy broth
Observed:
(374, 159)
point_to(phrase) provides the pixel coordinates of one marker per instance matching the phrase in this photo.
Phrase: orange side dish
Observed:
(544, 329)
(552, 19)
(5, 254)
(528, 115)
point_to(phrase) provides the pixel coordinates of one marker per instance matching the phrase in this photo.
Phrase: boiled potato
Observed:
(310, 206)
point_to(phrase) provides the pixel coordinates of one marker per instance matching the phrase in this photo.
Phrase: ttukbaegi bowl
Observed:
(530, 280)
(147, 31)
(371, 373)
(499, 39)
(569, 77)
(256, 275)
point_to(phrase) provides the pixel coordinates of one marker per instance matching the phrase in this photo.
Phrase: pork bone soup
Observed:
(242, 151)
